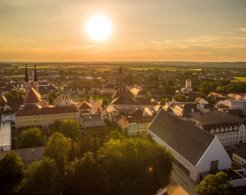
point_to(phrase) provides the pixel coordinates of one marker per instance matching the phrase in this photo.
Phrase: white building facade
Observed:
(196, 150)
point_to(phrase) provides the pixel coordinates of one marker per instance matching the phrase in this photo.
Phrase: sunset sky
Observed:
(144, 30)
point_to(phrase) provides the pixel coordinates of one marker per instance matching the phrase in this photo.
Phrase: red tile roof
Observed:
(29, 111)
(32, 97)
(85, 105)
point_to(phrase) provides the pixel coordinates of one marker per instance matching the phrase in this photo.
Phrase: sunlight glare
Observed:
(99, 28)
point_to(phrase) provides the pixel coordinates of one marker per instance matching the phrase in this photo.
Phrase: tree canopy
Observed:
(32, 137)
(11, 173)
(217, 184)
(58, 147)
(69, 128)
(41, 178)
(121, 166)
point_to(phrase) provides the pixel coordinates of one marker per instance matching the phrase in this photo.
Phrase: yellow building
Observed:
(44, 116)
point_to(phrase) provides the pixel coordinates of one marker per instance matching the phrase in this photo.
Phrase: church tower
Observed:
(26, 77)
(35, 78)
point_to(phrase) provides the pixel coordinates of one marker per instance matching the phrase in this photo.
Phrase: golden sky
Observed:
(143, 30)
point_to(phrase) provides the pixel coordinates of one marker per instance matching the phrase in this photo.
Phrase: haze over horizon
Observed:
(158, 30)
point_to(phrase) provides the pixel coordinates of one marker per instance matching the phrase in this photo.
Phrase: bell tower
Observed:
(26, 77)
(35, 77)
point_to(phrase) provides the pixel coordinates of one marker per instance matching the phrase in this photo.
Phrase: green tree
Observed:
(32, 137)
(115, 135)
(13, 95)
(181, 98)
(41, 177)
(218, 184)
(69, 128)
(122, 166)
(58, 148)
(11, 173)
(134, 166)
(84, 177)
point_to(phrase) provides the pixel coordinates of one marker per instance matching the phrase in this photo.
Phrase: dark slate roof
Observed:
(29, 111)
(132, 101)
(28, 155)
(185, 138)
(216, 117)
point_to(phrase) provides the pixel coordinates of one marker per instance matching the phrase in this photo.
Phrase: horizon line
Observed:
(120, 61)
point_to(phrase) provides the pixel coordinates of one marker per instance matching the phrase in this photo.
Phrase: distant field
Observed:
(41, 66)
(164, 68)
(240, 79)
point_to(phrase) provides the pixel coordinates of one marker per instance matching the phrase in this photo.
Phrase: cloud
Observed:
(243, 29)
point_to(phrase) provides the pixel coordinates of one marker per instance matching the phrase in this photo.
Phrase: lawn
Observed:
(243, 79)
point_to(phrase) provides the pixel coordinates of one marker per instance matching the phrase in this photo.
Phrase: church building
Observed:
(37, 112)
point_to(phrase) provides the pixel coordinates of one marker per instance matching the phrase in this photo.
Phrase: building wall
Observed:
(230, 135)
(234, 104)
(214, 152)
(91, 121)
(134, 128)
(193, 172)
(7, 117)
(43, 120)
(5, 136)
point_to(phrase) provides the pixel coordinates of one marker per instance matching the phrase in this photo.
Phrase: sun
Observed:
(99, 27)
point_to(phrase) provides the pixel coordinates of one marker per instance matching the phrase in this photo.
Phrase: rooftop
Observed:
(28, 154)
(216, 117)
(84, 105)
(29, 111)
(32, 97)
(185, 138)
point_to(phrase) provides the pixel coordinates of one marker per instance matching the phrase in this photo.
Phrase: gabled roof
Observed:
(85, 105)
(188, 140)
(7, 110)
(123, 91)
(32, 97)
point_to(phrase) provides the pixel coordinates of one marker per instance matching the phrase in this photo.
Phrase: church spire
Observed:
(26, 75)
(35, 74)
